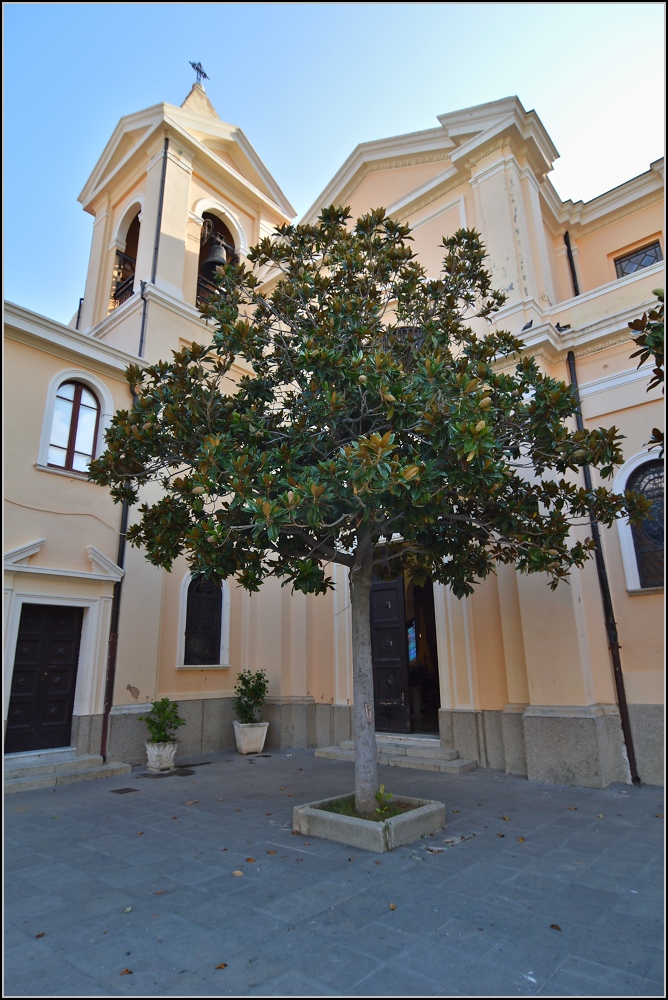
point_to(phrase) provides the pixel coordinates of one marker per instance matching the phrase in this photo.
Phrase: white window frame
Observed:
(107, 409)
(626, 543)
(224, 659)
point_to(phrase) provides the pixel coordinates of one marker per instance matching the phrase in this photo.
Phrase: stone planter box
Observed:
(250, 736)
(428, 817)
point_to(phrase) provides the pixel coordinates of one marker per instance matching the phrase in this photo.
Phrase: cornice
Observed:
(47, 335)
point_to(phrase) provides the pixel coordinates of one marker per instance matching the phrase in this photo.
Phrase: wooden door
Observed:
(390, 657)
(45, 670)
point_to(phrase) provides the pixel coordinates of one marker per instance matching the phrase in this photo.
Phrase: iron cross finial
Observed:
(200, 72)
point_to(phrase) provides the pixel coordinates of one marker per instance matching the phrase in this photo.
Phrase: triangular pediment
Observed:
(461, 137)
(221, 145)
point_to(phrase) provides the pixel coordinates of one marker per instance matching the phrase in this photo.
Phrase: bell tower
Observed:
(176, 192)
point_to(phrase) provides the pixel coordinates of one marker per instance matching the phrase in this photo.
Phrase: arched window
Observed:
(216, 248)
(74, 427)
(205, 619)
(642, 544)
(648, 535)
(125, 265)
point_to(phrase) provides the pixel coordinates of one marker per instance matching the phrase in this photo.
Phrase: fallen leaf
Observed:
(572, 809)
(351, 859)
(307, 843)
(433, 850)
(289, 795)
(506, 819)
(175, 817)
(140, 833)
(376, 862)
(281, 789)
(520, 840)
(250, 860)
(600, 816)
(299, 860)
(105, 932)
(192, 802)
(154, 917)
(659, 815)
(237, 873)
(393, 906)
(455, 810)
(221, 800)
(223, 848)
(237, 810)
(223, 965)
(127, 909)
(267, 814)
(161, 893)
(125, 972)
(271, 852)
(500, 834)
(41, 934)
(296, 833)
(555, 927)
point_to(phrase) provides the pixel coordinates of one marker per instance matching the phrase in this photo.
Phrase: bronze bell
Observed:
(216, 257)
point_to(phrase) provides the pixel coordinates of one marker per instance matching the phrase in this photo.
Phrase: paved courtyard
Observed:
(193, 884)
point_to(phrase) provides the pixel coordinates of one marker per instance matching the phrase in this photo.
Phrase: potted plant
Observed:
(160, 721)
(250, 693)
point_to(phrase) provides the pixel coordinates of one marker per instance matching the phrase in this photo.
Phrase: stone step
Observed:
(444, 766)
(415, 748)
(28, 766)
(54, 778)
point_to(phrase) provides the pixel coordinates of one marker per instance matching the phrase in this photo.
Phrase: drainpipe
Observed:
(571, 263)
(76, 325)
(156, 247)
(608, 612)
(113, 635)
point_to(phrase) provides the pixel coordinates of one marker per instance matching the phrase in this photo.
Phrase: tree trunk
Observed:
(364, 730)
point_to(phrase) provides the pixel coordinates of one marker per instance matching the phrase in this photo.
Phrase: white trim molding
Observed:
(227, 216)
(125, 217)
(224, 657)
(21, 555)
(626, 543)
(101, 393)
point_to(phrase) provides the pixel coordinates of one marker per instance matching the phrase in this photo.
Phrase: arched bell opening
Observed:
(216, 250)
(125, 265)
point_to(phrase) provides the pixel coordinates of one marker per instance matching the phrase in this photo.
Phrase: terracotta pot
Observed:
(161, 756)
(250, 736)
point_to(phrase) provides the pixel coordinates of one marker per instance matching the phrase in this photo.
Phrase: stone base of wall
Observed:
(570, 746)
(292, 723)
(581, 745)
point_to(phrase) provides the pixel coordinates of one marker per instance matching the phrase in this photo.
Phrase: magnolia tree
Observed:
(375, 429)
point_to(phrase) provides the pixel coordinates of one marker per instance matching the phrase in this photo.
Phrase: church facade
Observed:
(516, 677)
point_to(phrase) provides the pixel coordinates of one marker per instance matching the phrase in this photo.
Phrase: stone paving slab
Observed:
(530, 890)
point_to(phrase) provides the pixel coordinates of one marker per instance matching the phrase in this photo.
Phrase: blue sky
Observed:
(306, 82)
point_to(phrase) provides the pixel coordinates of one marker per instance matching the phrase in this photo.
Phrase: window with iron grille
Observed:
(645, 257)
(76, 416)
(648, 535)
(203, 623)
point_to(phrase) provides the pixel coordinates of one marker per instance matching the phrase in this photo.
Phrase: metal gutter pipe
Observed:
(113, 635)
(608, 612)
(571, 263)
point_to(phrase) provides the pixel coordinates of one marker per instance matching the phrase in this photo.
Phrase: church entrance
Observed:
(405, 657)
(41, 701)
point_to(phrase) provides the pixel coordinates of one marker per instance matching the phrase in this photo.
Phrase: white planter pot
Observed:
(250, 736)
(161, 756)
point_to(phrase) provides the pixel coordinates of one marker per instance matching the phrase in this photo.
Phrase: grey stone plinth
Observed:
(312, 820)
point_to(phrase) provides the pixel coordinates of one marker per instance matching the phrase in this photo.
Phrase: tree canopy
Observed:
(373, 428)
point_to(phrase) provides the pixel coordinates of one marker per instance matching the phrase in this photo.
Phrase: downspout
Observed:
(113, 635)
(571, 263)
(608, 612)
(76, 325)
(156, 247)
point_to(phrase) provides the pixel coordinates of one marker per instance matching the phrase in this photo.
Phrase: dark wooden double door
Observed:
(405, 658)
(44, 679)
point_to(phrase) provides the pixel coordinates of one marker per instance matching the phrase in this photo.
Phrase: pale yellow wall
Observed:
(68, 511)
(384, 185)
(492, 684)
(598, 249)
